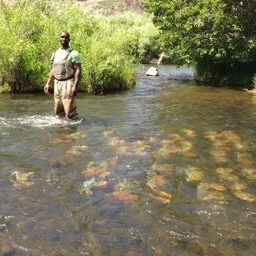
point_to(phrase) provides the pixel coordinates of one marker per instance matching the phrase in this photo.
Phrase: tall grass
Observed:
(110, 46)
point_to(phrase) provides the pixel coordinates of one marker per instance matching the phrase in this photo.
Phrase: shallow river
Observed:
(166, 168)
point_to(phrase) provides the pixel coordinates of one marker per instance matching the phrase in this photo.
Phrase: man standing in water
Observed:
(64, 77)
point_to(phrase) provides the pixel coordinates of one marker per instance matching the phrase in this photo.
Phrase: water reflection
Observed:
(167, 168)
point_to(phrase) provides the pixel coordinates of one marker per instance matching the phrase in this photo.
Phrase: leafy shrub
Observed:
(215, 36)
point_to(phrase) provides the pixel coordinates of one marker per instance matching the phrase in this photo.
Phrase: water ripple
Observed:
(37, 121)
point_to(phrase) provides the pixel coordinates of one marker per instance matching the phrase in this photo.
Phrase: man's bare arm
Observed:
(49, 83)
(77, 68)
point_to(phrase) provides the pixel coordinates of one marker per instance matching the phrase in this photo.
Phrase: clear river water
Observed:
(166, 168)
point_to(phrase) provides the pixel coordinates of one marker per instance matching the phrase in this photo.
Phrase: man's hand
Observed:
(47, 89)
(73, 91)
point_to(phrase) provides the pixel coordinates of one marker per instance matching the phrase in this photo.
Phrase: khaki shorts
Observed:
(64, 104)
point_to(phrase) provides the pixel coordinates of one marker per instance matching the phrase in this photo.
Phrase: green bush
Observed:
(225, 73)
(216, 37)
(110, 46)
(22, 51)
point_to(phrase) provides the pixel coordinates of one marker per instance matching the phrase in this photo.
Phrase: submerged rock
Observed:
(125, 196)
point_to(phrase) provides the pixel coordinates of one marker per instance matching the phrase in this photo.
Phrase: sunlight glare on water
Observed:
(37, 121)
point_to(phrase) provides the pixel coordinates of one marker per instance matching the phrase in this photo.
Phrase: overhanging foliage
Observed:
(221, 33)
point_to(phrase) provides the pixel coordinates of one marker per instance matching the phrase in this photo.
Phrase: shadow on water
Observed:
(166, 168)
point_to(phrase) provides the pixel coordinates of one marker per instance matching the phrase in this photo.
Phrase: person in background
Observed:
(64, 78)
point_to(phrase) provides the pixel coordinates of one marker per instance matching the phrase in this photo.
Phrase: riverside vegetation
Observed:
(110, 45)
(217, 38)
